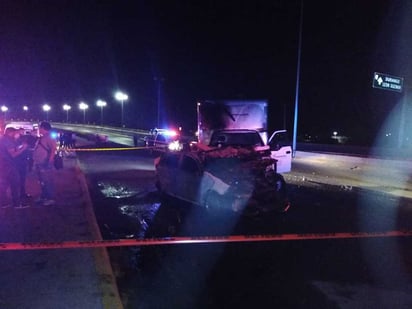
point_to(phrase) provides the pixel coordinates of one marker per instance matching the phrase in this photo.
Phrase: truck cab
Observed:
(217, 118)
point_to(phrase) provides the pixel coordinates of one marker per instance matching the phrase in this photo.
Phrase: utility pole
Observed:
(159, 81)
(402, 119)
(295, 123)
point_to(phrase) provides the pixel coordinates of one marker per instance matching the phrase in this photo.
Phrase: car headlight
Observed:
(174, 146)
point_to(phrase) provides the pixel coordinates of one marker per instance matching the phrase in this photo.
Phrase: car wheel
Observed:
(280, 195)
(158, 185)
(280, 184)
(283, 202)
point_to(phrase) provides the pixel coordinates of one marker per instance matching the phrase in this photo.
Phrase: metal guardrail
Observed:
(94, 128)
(101, 134)
(362, 151)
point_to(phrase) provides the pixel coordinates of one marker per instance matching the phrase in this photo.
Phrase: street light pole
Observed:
(67, 107)
(120, 96)
(295, 120)
(83, 106)
(102, 104)
(159, 92)
(46, 108)
(122, 121)
(25, 109)
(4, 109)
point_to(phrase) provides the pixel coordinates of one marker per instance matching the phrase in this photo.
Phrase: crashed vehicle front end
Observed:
(243, 179)
(231, 178)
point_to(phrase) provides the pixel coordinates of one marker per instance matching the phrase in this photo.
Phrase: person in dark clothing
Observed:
(22, 160)
(68, 139)
(73, 140)
(62, 139)
(43, 156)
(9, 175)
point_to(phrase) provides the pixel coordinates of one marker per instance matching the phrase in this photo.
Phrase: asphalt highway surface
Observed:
(329, 194)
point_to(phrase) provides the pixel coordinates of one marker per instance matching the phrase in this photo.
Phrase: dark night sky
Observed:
(66, 51)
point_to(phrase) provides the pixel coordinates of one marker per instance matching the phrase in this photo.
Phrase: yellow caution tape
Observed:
(104, 149)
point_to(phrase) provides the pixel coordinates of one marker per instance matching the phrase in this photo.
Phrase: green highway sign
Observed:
(387, 82)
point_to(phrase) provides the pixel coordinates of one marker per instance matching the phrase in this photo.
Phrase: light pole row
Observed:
(119, 96)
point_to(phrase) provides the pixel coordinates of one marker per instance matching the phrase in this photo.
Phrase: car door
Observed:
(189, 178)
(281, 150)
(166, 171)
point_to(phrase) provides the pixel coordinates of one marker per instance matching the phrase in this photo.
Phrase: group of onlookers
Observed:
(21, 152)
(67, 139)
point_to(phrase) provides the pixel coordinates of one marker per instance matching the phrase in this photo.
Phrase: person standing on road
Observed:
(22, 161)
(43, 156)
(9, 174)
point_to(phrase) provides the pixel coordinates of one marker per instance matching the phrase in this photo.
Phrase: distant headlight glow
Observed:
(175, 146)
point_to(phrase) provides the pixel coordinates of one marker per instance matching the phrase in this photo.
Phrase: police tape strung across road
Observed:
(103, 149)
(196, 240)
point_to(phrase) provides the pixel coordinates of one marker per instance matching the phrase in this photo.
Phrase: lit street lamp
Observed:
(101, 104)
(46, 108)
(25, 109)
(120, 96)
(83, 106)
(67, 107)
(4, 109)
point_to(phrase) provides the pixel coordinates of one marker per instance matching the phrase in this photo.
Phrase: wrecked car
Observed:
(235, 178)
